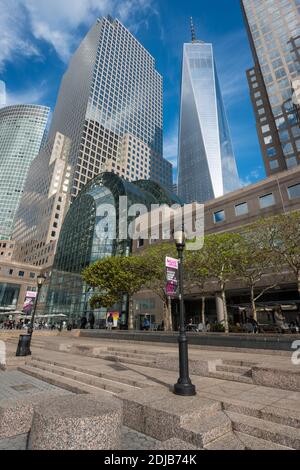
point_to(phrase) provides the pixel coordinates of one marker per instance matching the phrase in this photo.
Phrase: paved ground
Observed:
(131, 440)
(14, 443)
(15, 384)
(206, 386)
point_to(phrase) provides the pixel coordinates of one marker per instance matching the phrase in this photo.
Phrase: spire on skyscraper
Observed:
(193, 31)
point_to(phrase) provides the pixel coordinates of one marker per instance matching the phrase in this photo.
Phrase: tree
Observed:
(252, 262)
(197, 275)
(154, 259)
(216, 262)
(282, 239)
(115, 276)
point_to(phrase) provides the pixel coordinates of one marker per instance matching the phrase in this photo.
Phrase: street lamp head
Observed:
(180, 238)
(41, 279)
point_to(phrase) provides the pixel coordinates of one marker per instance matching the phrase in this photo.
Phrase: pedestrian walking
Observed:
(110, 322)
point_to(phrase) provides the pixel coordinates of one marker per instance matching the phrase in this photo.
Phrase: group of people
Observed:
(13, 324)
(23, 324)
(84, 322)
(90, 322)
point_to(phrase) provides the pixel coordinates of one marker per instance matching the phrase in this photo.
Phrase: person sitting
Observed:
(146, 324)
(83, 323)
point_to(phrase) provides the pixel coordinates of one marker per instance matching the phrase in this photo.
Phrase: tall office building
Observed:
(274, 32)
(111, 89)
(22, 130)
(110, 107)
(206, 163)
(44, 204)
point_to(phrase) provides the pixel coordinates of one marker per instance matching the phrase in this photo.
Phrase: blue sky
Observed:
(38, 37)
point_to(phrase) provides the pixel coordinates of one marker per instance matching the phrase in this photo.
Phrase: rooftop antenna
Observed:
(193, 31)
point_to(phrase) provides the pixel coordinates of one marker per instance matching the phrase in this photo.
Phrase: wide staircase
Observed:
(232, 370)
(229, 424)
(78, 379)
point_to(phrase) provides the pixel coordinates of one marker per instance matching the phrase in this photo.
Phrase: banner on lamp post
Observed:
(172, 266)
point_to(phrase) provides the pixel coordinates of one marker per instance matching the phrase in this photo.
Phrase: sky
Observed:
(38, 37)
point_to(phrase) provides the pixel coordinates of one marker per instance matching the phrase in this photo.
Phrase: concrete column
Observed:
(219, 307)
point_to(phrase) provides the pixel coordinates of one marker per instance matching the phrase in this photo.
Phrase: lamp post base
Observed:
(24, 346)
(185, 390)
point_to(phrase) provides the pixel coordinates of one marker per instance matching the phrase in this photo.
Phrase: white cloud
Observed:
(253, 177)
(23, 23)
(2, 94)
(28, 96)
(13, 39)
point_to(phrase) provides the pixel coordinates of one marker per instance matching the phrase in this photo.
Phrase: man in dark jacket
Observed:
(83, 323)
(92, 321)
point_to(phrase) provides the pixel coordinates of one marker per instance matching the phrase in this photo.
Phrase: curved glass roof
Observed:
(86, 235)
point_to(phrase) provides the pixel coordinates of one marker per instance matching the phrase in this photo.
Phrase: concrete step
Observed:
(130, 355)
(109, 376)
(255, 443)
(233, 377)
(132, 351)
(246, 371)
(269, 413)
(205, 430)
(59, 381)
(84, 377)
(228, 442)
(125, 360)
(234, 362)
(274, 432)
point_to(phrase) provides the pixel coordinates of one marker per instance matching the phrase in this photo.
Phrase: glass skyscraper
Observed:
(274, 32)
(206, 163)
(110, 108)
(43, 205)
(22, 130)
(111, 89)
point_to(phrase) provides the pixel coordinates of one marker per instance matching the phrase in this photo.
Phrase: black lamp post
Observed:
(25, 340)
(184, 386)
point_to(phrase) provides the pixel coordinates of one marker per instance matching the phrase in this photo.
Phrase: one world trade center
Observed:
(206, 163)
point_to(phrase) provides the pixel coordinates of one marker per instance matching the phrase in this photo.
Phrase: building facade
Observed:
(22, 132)
(44, 204)
(274, 34)
(206, 163)
(275, 195)
(109, 108)
(89, 234)
(110, 89)
(18, 285)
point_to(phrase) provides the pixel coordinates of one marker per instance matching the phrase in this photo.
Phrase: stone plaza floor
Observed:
(131, 440)
(244, 414)
(15, 384)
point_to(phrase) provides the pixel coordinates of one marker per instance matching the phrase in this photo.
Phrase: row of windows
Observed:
(265, 201)
(10, 272)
